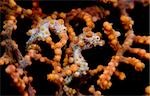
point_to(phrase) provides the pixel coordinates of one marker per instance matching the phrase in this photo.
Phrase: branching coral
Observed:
(68, 62)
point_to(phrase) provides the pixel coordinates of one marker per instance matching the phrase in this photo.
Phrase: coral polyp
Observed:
(59, 38)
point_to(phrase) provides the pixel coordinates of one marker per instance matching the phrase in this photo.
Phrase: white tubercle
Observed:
(58, 28)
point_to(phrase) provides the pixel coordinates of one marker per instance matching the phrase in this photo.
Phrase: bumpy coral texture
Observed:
(62, 33)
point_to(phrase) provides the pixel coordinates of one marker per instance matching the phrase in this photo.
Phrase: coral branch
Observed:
(68, 40)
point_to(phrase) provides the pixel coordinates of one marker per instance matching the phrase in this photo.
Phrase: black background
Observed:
(135, 82)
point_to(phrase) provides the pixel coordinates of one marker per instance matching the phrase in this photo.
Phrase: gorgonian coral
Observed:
(68, 35)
